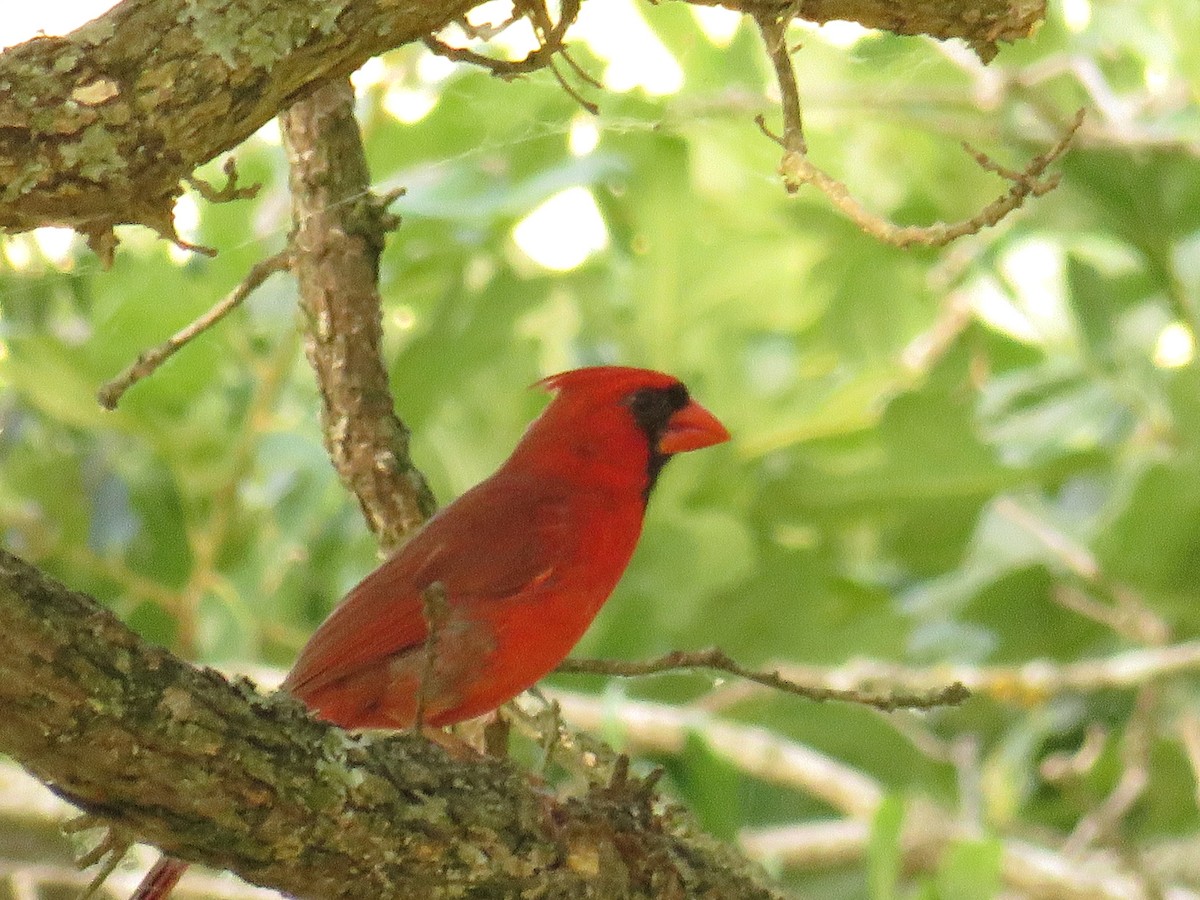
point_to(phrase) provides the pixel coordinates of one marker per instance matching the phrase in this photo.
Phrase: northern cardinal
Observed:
(521, 564)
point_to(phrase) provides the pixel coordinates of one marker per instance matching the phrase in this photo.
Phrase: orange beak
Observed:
(691, 428)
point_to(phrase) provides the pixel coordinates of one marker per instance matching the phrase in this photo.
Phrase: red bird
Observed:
(525, 560)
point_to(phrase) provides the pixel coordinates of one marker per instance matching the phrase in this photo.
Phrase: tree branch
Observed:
(148, 361)
(100, 127)
(215, 772)
(1031, 682)
(929, 697)
(980, 24)
(339, 232)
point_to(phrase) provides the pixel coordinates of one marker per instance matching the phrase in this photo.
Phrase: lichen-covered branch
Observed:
(981, 23)
(100, 127)
(339, 230)
(214, 772)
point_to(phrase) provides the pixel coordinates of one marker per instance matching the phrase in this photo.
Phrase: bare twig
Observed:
(147, 362)
(798, 170)
(809, 846)
(1028, 683)
(1060, 767)
(1188, 726)
(435, 609)
(714, 659)
(507, 69)
(230, 191)
(550, 35)
(587, 105)
(114, 845)
(1101, 821)
(774, 35)
(752, 749)
(579, 70)
(1127, 614)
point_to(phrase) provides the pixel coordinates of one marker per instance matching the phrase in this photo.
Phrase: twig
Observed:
(550, 36)
(717, 660)
(808, 846)
(434, 608)
(114, 844)
(774, 35)
(587, 105)
(1128, 614)
(230, 191)
(507, 69)
(115, 849)
(579, 70)
(1100, 821)
(752, 749)
(1028, 683)
(487, 30)
(1060, 767)
(797, 169)
(148, 361)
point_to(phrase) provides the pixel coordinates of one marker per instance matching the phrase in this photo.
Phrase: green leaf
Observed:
(710, 785)
(884, 850)
(970, 870)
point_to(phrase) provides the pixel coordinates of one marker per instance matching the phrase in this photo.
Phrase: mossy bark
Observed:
(215, 772)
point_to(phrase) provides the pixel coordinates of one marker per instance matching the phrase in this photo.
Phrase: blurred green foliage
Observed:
(927, 443)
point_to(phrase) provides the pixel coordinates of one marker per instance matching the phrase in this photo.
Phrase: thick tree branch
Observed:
(981, 23)
(100, 127)
(339, 231)
(215, 772)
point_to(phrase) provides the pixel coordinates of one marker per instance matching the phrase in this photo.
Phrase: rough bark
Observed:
(98, 128)
(981, 23)
(338, 233)
(215, 772)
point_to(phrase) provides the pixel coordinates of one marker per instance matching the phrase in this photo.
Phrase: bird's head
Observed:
(625, 419)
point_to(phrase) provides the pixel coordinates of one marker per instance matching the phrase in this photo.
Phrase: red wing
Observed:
(492, 542)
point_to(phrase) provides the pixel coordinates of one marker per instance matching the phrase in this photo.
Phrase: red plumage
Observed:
(526, 559)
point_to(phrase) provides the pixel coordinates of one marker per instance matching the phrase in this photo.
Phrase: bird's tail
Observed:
(160, 880)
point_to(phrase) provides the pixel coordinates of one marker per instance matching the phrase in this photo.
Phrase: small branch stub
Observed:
(435, 609)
